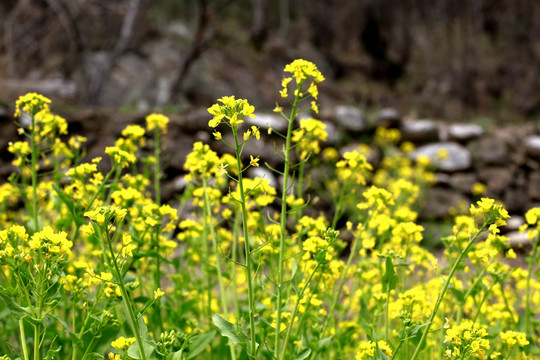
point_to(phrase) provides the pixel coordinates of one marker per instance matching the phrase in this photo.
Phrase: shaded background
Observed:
(430, 58)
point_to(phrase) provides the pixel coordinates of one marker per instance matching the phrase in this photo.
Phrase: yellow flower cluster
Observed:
(512, 338)
(120, 157)
(157, 121)
(366, 349)
(104, 214)
(302, 70)
(51, 243)
(308, 135)
(202, 162)
(123, 343)
(31, 103)
(467, 340)
(232, 110)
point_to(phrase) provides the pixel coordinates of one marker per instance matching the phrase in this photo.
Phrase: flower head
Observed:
(232, 110)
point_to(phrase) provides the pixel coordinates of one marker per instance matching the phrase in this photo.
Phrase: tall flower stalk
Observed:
(301, 71)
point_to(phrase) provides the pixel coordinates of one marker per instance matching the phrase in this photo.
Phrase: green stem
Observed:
(37, 335)
(23, 339)
(157, 155)
(251, 300)
(130, 314)
(444, 289)
(283, 217)
(208, 223)
(90, 346)
(532, 260)
(396, 350)
(482, 302)
(387, 316)
(471, 289)
(100, 189)
(296, 305)
(335, 300)
(33, 163)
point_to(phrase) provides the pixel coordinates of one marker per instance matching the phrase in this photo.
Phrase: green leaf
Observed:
(66, 199)
(380, 355)
(52, 352)
(324, 342)
(389, 279)
(177, 355)
(94, 356)
(199, 344)
(321, 257)
(228, 329)
(304, 354)
(17, 310)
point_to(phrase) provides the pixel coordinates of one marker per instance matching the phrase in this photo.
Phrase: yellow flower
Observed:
(254, 161)
(123, 343)
(302, 70)
(158, 293)
(232, 109)
(31, 103)
(158, 121)
(217, 135)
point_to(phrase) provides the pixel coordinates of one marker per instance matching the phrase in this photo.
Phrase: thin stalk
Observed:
(157, 170)
(208, 223)
(532, 260)
(335, 300)
(33, 162)
(300, 190)
(444, 289)
(283, 217)
(387, 315)
(90, 346)
(37, 331)
(470, 290)
(482, 302)
(157, 194)
(23, 340)
(339, 205)
(103, 184)
(157, 278)
(251, 300)
(396, 350)
(130, 314)
(296, 305)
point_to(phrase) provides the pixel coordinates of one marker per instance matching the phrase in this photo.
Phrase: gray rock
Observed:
(419, 131)
(514, 223)
(497, 179)
(489, 150)
(130, 82)
(333, 133)
(465, 132)
(349, 118)
(442, 178)
(439, 202)
(518, 240)
(534, 185)
(515, 199)
(459, 158)
(387, 117)
(264, 121)
(532, 145)
(463, 182)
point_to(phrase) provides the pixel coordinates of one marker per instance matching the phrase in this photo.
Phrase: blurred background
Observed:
(450, 60)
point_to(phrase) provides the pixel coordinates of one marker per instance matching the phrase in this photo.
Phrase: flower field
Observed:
(95, 266)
